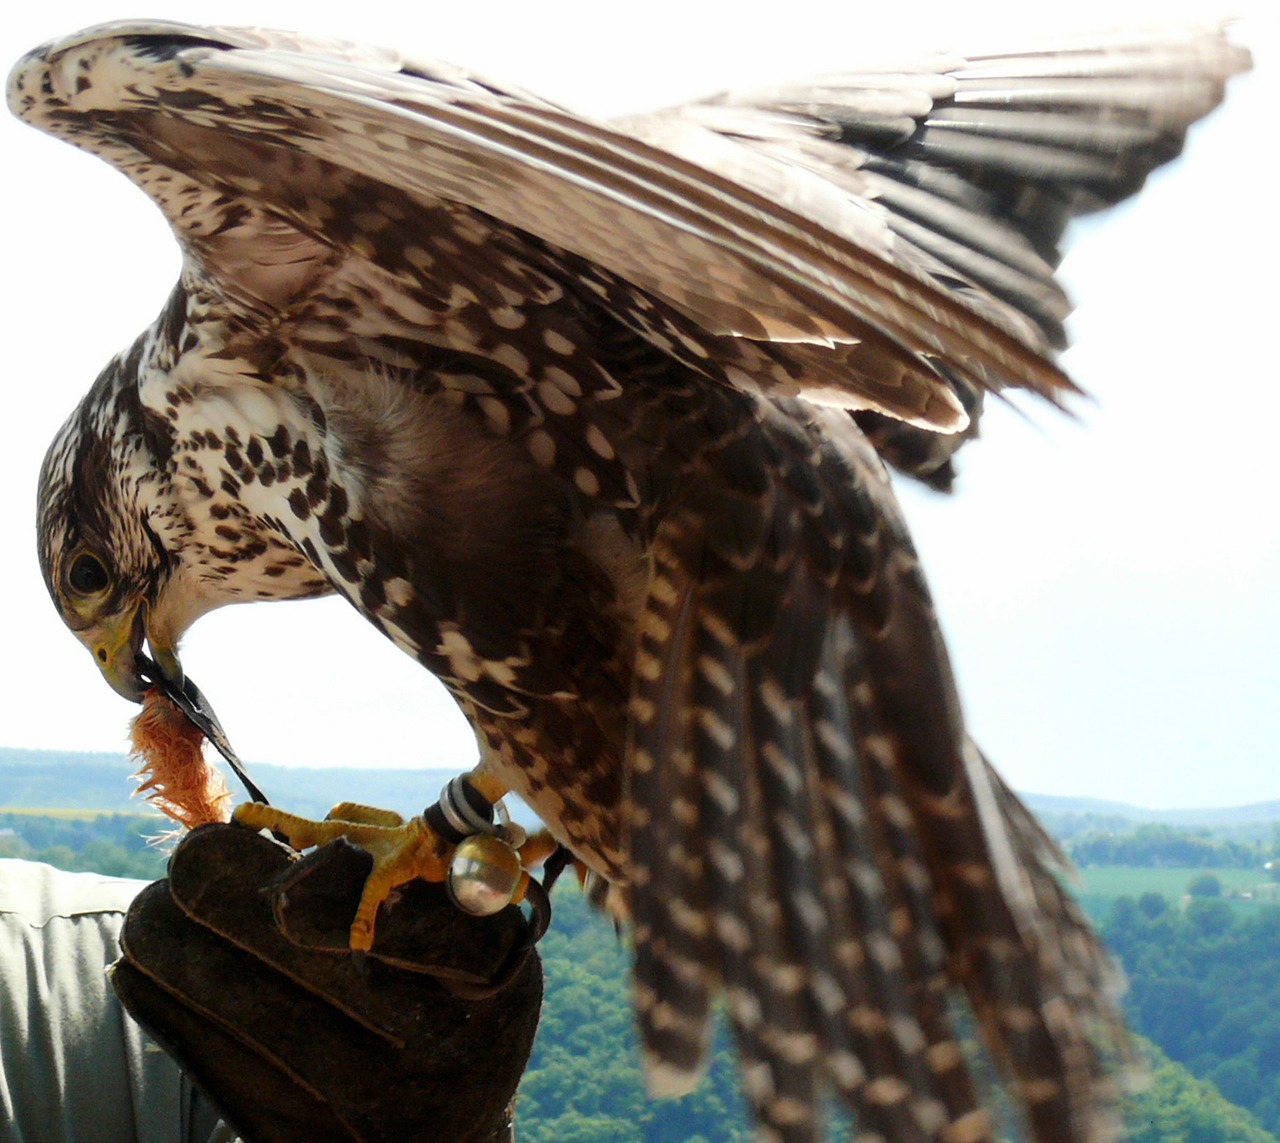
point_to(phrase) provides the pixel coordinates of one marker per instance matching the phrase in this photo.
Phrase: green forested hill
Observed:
(53, 779)
(120, 845)
(583, 1083)
(1176, 1107)
(1204, 983)
(1204, 973)
(71, 780)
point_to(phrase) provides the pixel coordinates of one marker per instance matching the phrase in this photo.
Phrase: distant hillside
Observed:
(1069, 819)
(52, 779)
(1258, 812)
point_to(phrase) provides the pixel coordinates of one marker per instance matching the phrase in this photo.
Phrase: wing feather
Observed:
(854, 861)
(743, 214)
(196, 118)
(1009, 146)
(673, 974)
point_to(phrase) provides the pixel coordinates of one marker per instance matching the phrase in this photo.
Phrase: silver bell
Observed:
(484, 875)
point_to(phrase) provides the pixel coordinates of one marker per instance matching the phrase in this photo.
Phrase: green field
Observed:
(70, 815)
(1099, 885)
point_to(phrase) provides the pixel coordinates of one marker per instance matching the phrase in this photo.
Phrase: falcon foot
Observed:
(455, 841)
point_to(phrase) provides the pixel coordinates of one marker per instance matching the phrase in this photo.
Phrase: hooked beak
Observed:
(117, 649)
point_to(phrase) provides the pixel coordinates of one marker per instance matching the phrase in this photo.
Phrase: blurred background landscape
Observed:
(1188, 900)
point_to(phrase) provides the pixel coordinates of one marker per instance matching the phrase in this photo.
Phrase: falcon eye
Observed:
(87, 575)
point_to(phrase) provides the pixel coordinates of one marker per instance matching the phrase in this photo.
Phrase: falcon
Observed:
(590, 418)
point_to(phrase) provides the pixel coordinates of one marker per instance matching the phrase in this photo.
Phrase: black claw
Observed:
(554, 866)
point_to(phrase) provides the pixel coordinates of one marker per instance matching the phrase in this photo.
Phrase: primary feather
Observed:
(564, 408)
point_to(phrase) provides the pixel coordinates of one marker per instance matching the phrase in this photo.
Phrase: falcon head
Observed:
(111, 578)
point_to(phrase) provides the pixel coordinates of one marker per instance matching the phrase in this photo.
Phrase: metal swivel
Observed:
(484, 875)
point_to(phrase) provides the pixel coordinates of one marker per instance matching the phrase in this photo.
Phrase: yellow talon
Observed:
(400, 850)
(400, 853)
(369, 815)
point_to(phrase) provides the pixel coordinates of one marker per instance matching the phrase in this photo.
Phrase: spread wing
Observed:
(196, 116)
(964, 169)
(890, 234)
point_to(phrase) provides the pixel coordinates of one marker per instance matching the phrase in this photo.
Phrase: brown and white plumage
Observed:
(563, 408)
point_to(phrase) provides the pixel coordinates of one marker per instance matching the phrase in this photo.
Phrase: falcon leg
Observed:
(423, 846)
(541, 845)
(537, 848)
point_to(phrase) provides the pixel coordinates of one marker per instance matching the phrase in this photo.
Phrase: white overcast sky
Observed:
(1110, 587)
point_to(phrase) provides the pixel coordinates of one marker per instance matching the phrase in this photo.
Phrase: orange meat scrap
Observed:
(174, 775)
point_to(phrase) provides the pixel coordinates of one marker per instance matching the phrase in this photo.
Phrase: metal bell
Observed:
(484, 875)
